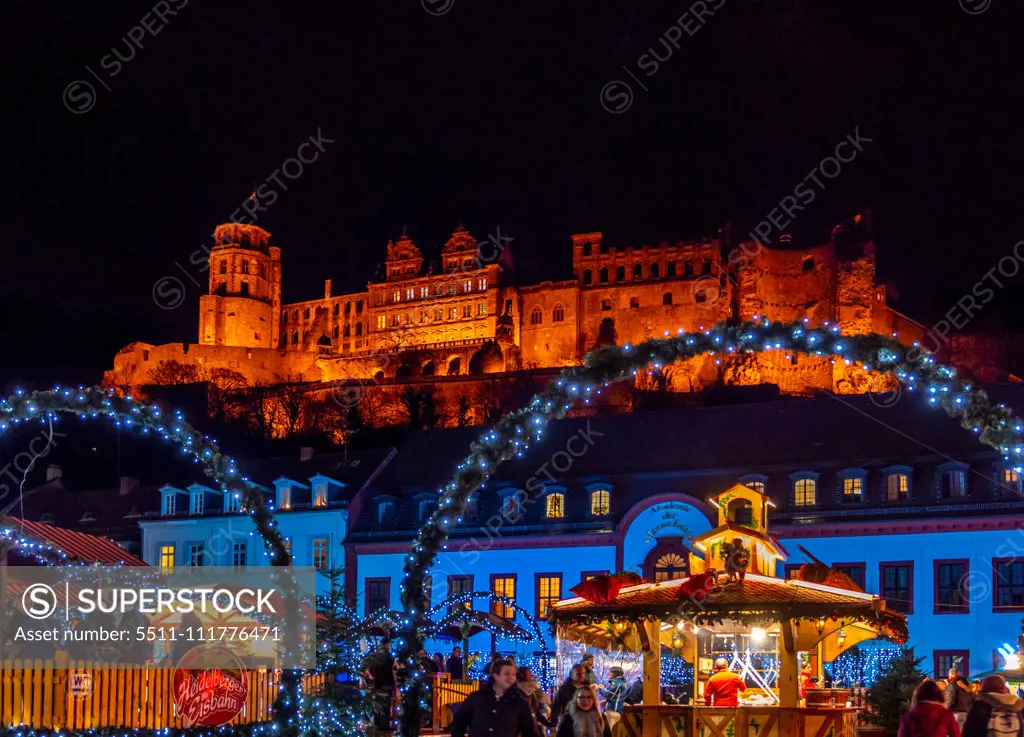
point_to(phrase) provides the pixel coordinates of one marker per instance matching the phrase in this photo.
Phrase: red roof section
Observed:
(78, 545)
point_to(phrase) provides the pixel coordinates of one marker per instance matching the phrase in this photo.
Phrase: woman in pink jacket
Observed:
(928, 717)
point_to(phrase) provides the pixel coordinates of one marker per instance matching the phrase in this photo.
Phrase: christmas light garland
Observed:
(995, 426)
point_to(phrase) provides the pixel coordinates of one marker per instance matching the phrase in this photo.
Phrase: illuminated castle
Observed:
(465, 315)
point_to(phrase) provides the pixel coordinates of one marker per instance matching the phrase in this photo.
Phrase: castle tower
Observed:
(404, 259)
(243, 307)
(743, 514)
(460, 252)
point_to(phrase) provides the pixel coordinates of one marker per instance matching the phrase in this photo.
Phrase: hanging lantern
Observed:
(841, 638)
(678, 641)
(621, 627)
(820, 626)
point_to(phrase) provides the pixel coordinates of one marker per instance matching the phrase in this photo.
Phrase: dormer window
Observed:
(1011, 479)
(805, 489)
(284, 497)
(88, 517)
(320, 494)
(600, 501)
(511, 508)
(169, 505)
(554, 505)
(897, 483)
(854, 481)
(954, 480)
(386, 512)
(197, 501)
(472, 510)
(755, 481)
(232, 502)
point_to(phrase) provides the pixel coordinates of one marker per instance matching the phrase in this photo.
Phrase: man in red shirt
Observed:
(723, 688)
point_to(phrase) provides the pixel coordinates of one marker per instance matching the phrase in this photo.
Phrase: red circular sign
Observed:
(210, 686)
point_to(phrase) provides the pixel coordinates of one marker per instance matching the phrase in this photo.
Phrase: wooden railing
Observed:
(84, 696)
(448, 693)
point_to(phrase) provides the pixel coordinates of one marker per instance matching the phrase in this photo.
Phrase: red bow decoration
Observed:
(604, 589)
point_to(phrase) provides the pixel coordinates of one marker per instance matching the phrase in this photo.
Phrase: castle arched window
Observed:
(306, 313)
(245, 289)
(602, 276)
(348, 308)
(396, 319)
(428, 369)
(554, 505)
(359, 306)
(335, 333)
(382, 321)
(284, 317)
(638, 271)
(359, 328)
(587, 248)
(808, 264)
(261, 269)
(700, 296)
(805, 489)
(588, 278)
(688, 268)
(634, 303)
(897, 483)
(620, 273)
(536, 316)
(295, 315)
(670, 567)
(245, 266)
(953, 483)
(670, 270)
(600, 502)
(455, 366)
(348, 331)
(705, 267)
(558, 314)
(337, 308)
(655, 271)
(666, 298)
(295, 338)
(223, 266)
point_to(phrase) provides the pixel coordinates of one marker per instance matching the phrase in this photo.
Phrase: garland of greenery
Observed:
(995, 426)
(147, 419)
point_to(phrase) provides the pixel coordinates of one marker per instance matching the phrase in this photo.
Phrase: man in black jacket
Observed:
(959, 696)
(454, 664)
(498, 709)
(577, 678)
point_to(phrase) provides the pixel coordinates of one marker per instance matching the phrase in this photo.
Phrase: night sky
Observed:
(486, 113)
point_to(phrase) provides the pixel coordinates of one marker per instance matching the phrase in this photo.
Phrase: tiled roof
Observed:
(352, 469)
(78, 545)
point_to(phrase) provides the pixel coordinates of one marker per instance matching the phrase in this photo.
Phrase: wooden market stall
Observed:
(732, 605)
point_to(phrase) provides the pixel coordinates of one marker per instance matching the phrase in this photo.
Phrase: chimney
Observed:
(53, 472)
(128, 485)
(327, 289)
(305, 453)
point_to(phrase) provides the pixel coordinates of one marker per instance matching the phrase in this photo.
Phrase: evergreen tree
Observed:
(889, 698)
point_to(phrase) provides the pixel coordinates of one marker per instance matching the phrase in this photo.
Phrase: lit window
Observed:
(756, 482)
(853, 489)
(382, 322)
(396, 319)
(453, 313)
(238, 553)
(536, 316)
(481, 310)
(505, 587)
(554, 506)
(196, 553)
(467, 286)
(600, 502)
(897, 484)
(284, 497)
(558, 314)
(481, 284)
(804, 492)
(197, 502)
(410, 294)
(396, 296)
(232, 502)
(170, 504)
(549, 591)
(167, 558)
(320, 556)
(424, 292)
(320, 495)
(670, 567)
(1010, 477)
(467, 310)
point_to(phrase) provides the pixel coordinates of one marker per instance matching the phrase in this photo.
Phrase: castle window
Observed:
(223, 266)
(467, 310)
(306, 313)
(453, 313)
(359, 328)
(688, 268)
(245, 289)
(897, 483)
(382, 322)
(558, 314)
(604, 248)
(805, 489)
(954, 481)
(284, 317)
(554, 505)
(424, 292)
(245, 266)
(467, 286)
(587, 247)
(396, 296)
(295, 315)
(587, 277)
(706, 266)
(481, 310)
(700, 296)
(335, 333)
(655, 271)
(606, 305)
(348, 331)
(295, 338)
(602, 276)
(408, 318)
(638, 271)
(423, 316)
(467, 263)
(359, 306)
(337, 308)
(671, 269)
(536, 316)
(454, 366)
(666, 298)
(481, 284)
(634, 303)
(451, 289)
(620, 273)
(809, 263)
(438, 313)
(396, 319)
(261, 267)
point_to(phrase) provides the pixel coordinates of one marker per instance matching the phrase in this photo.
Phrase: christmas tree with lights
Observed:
(890, 696)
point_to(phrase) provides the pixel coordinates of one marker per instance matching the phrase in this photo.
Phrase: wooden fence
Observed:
(446, 694)
(83, 696)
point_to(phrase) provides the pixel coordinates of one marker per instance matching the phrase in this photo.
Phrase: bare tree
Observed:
(171, 372)
(225, 393)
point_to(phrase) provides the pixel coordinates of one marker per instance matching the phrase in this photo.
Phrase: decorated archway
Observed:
(914, 368)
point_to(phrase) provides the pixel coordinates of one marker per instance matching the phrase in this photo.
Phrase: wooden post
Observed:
(696, 660)
(789, 669)
(651, 639)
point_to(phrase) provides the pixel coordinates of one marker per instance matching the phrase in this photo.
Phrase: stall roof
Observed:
(77, 545)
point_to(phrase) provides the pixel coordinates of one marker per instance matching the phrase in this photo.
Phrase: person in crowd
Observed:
(187, 636)
(724, 686)
(928, 716)
(498, 709)
(426, 662)
(567, 691)
(588, 665)
(582, 717)
(454, 664)
(975, 687)
(635, 694)
(540, 704)
(438, 662)
(995, 712)
(615, 696)
(959, 696)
